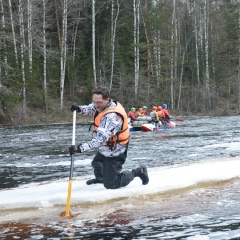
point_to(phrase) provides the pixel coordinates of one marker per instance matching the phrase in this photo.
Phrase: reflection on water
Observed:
(205, 211)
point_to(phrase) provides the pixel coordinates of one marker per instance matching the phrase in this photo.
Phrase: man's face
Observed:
(99, 102)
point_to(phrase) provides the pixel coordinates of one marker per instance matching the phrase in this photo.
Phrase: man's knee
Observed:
(110, 185)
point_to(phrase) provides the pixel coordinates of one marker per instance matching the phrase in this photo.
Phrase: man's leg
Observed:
(97, 165)
(113, 177)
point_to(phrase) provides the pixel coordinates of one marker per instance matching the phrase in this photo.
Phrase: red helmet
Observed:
(154, 108)
(159, 108)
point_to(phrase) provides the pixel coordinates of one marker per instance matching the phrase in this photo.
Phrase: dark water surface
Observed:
(208, 211)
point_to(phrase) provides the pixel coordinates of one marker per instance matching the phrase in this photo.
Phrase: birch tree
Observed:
(173, 52)
(207, 85)
(93, 43)
(63, 51)
(4, 32)
(30, 40)
(13, 31)
(22, 48)
(157, 40)
(114, 18)
(44, 58)
(136, 8)
(196, 39)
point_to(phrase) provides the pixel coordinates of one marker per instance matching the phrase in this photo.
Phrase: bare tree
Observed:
(136, 8)
(44, 58)
(63, 52)
(22, 47)
(93, 43)
(173, 60)
(4, 32)
(196, 40)
(58, 26)
(114, 18)
(207, 85)
(13, 31)
(30, 40)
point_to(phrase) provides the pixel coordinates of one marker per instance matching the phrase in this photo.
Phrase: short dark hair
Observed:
(101, 90)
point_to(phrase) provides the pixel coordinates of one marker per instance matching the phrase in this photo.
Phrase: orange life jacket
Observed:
(160, 114)
(121, 137)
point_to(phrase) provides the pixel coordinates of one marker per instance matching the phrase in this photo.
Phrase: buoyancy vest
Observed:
(121, 137)
(160, 114)
(154, 116)
(166, 113)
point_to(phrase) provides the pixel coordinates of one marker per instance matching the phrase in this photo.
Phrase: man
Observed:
(139, 112)
(160, 114)
(166, 113)
(154, 116)
(131, 114)
(144, 111)
(111, 139)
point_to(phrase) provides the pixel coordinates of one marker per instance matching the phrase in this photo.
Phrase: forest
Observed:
(185, 53)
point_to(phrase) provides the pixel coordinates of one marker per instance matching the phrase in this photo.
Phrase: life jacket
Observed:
(138, 114)
(160, 114)
(166, 114)
(154, 116)
(121, 137)
(144, 112)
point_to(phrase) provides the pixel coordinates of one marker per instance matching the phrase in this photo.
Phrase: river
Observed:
(206, 210)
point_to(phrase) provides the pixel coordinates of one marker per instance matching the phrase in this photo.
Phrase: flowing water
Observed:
(208, 210)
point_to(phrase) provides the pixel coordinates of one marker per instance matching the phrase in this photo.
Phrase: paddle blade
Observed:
(67, 212)
(179, 120)
(171, 124)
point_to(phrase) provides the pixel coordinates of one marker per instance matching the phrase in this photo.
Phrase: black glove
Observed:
(74, 149)
(76, 108)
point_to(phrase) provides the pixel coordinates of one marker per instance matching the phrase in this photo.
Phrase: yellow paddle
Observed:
(67, 211)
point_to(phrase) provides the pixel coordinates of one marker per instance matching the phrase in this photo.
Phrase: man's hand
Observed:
(76, 108)
(74, 149)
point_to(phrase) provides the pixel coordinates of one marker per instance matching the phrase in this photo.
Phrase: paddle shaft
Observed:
(67, 212)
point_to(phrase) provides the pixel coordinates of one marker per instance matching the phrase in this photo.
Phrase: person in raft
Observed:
(144, 111)
(111, 139)
(165, 113)
(131, 114)
(139, 112)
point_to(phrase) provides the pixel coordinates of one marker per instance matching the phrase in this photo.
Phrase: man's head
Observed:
(164, 106)
(154, 108)
(133, 109)
(100, 98)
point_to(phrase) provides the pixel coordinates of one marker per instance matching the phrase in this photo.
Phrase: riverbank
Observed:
(37, 117)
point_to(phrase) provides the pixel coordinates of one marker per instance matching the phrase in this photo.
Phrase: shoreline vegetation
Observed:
(38, 118)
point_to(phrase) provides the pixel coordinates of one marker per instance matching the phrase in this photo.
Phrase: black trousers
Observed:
(108, 170)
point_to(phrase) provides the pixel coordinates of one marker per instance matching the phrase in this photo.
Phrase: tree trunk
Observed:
(44, 59)
(58, 27)
(13, 31)
(196, 41)
(4, 32)
(93, 44)
(136, 47)
(30, 36)
(22, 47)
(172, 62)
(207, 87)
(63, 52)
(113, 36)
